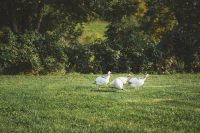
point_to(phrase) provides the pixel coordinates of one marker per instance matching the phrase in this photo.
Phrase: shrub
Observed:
(32, 53)
(106, 58)
(18, 54)
(133, 47)
(8, 51)
(52, 54)
(183, 44)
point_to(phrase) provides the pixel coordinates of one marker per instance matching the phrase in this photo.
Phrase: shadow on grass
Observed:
(99, 90)
(112, 89)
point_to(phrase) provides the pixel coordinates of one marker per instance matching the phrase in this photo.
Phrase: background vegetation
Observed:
(41, 37)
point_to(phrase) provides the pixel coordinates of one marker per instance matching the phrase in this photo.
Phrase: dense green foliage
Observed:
(32, 52)
(43, 37)
(71, 103)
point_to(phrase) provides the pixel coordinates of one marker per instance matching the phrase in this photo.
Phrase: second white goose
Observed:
(137, 82)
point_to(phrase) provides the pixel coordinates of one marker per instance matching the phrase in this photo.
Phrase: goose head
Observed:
(109, 72)
(146, 76)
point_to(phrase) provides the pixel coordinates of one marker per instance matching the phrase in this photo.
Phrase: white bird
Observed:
(137, 82)
(103, 80)
(120, 81)
(123, 79)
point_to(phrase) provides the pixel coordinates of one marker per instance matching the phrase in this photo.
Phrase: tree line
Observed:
(41, 36)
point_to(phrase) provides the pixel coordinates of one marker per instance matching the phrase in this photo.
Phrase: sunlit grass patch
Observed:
(93, 31)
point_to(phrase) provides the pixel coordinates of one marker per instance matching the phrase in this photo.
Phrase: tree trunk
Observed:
(39, 15)
(13, 20)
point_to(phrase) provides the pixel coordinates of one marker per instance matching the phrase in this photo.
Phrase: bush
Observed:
(106, 58)
(182, 43)
(32, 53)
(79, 58)
(96, 58)
(82, 58)
(18, 54)
(133, 46)
(52, 54)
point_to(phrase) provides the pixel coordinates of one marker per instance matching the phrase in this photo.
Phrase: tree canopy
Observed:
(41, 36)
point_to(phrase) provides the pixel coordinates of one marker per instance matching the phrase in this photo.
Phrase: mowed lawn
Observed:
(71, 103)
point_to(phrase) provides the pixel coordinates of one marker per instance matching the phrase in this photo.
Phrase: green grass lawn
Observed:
(71, 103)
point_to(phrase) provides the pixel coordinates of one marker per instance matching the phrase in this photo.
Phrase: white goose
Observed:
(103, 80)
(137, 82)
(120, 81)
